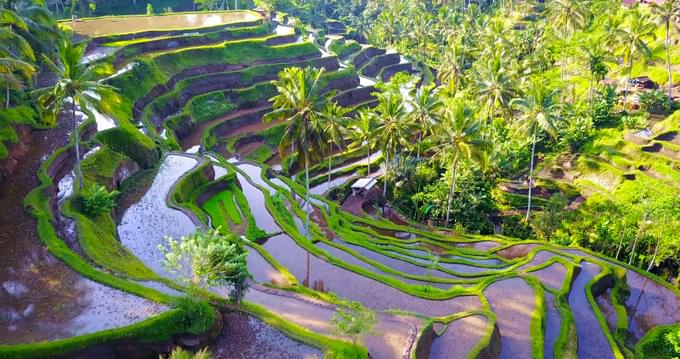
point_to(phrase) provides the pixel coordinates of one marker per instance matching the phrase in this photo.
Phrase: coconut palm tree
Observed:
(494, 87)
(426, 111)
(392, 131)
(596, 56)
(335, 123)
(632, 37)
(77, 86)
(361, 134)
(301, 103)
(16, 54)
(667, 13)
(568, 16)
(458, 137)
(537, 116)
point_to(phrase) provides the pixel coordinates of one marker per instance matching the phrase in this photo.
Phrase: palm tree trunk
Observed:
(329, 168)
(387, 167)
(7, 96)
(625, 92)
(308, 204)
(79, 171)
(452, 189)
(591, 93)
(618, 250)
(632, 251)
(368, 160)
(656, 251)
(668, 64)
(531, 173)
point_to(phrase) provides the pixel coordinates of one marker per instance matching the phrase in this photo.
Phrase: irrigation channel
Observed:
(437, 294)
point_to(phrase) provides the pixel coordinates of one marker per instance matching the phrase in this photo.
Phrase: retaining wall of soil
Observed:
(212, 189)
(146, 34)
(493, 350)
(219, 81)
(133, 348)
(356, 96)
(15, 151)
(379, 63)
(160, 89)
(424, 342)
(132, 50)
(389, 71)
(366, 55)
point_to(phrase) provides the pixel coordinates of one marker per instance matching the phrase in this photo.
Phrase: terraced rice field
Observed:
(437, 294)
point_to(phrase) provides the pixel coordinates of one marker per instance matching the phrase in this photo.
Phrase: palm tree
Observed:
(334, 128)
(458, 137)
(300, 102)
(16, 54)
(633, 36)
(567, 16)
(76, 85)
(361, 134)
(494, 87)
(667, 13)
(392, 131)
(596, 56)
(426, 111)
(538, 114)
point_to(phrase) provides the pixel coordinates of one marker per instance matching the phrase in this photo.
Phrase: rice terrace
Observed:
(340, 179)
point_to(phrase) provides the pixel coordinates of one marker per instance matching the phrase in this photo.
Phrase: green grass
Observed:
(261, 154)
(653, 345)
(223, 210)
(344, 48)
(194, 318)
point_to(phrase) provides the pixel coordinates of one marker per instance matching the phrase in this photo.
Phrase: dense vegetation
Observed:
(551, 89)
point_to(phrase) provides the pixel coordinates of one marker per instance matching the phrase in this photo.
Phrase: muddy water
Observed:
(552, 325)
(119, 25)
(325, 186)
(348, 258)
(327, 277)
(262, 271)
(460, 337)
(552, 275)
(514, 316)
(146, 223)
(244, 336)
(592, 342)
(40, 297)
(649, 304)
(263, 219)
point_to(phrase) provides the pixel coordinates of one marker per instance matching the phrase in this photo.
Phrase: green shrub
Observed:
(604, 104)
(132, 143)
(210, 106)
(179, 353)
(655, 102)
(634, 121)
(97, 200)
(515, 226)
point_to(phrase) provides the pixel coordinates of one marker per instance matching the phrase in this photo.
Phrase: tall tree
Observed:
(361, 134)
(568, 16)
(537, 116)
(76, 85)
(494, 87)
(16, 54)
(335, 123)
(393, 131)
(666, 13)
(426, 112)
(301, 103)
(458, 137)
(632, 37)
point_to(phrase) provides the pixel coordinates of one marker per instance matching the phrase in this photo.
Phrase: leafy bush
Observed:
(211, 106)
(179, 353)
(577, 130)
(132, 143)
(515, 226)
(97, 200)
(604, 104)
(655, 102)
(634, 121)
